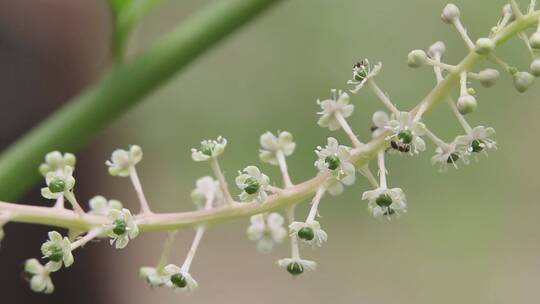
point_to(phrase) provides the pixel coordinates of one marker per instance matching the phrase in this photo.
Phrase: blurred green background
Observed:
(470, 236)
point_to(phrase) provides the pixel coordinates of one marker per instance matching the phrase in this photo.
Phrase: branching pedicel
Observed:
(394, 132)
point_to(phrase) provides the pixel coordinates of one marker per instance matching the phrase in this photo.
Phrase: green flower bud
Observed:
(306, 233)
(360, 71)
(55, 253)
(484, 46)
(295, 268)
(450, 13)
(206, 149)
(535, 40)
(535, 68)
(120, 227)
(523, 81)
(417, 58)
(178, 280)
(466, 104)
(405, 136)
(332, 162)
(384, 200)
(252, 185)
(477, 146)
(57, 185)
(452, 158)
(488, 77)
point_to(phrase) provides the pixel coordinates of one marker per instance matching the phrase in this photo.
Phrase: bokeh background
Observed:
(471, 235)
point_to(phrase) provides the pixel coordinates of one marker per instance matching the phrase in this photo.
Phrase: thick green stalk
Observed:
(123, 87)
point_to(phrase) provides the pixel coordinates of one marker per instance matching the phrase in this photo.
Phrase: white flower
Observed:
(122, 160)
(253, 184)
(57, 250)
(446, 155)
(122, 227)
(209, 149)
(58, 182)
(336, 159)
(362, 72)
(179, 279)
(407, 134)
(477, 140)
(386, 202)
(55, 161)
(154, 277)
(99, 205)
(40, 280)
(335, 186)
(206, 189)
(296, 266)
(267, 230)
(309, 232)
(338, 105)
(271, 145)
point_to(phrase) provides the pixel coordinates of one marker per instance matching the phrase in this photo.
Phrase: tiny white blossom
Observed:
(296, 266)
(207, 189)
(477, 140)
(407, 134)
(99, 205)
(386, 202)
(179, 279)
(448, 155)
(55, 161)
(267, 230)
(309, 232)
(58, 182)
(154, 276)
(209, 149)
(40, 280)
(122, 160)
(335, 158)
(57, 249)
(253, 184)
(271, 145)
(337, 105)
(362, 72)
(122, 227)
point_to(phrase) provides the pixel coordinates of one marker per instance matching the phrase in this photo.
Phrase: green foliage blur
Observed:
(471, 235)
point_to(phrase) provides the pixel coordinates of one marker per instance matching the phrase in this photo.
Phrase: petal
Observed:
(268, 141)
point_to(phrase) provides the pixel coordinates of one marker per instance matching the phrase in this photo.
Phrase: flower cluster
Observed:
(395, 131)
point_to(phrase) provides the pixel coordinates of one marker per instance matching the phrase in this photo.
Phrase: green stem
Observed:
(123, 87)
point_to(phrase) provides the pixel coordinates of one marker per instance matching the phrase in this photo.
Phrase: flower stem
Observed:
(166, 249)
(382, 96)
(348, 130)
(92, 234)
(221, 179)
(315, 204)
(287, 182)
(382, 169)
(145, 207)
(193, 250)
(70, 196)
